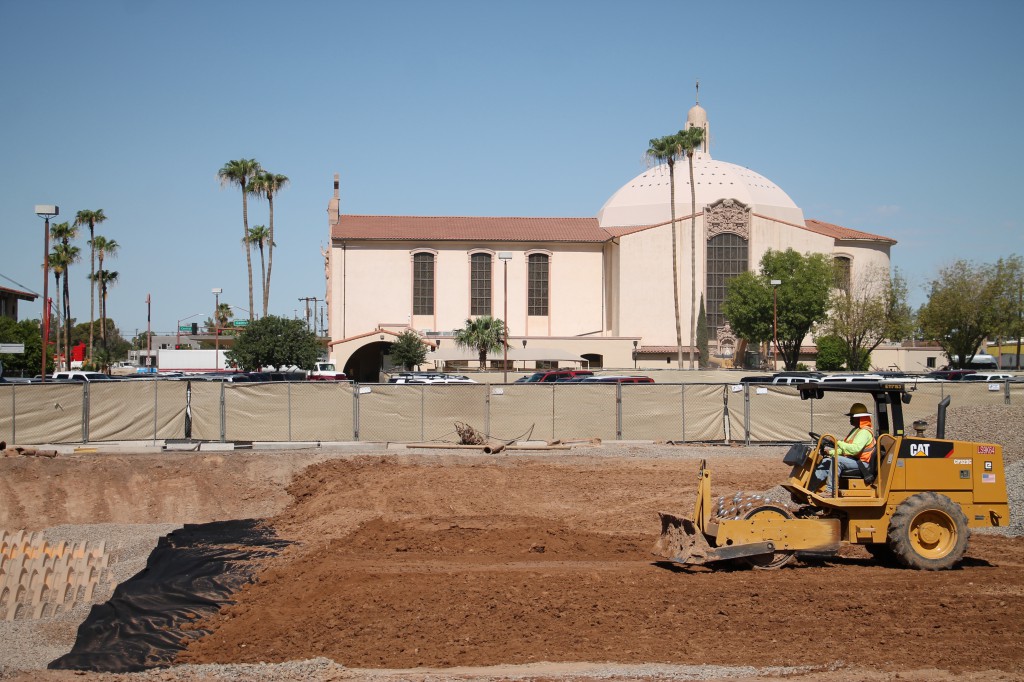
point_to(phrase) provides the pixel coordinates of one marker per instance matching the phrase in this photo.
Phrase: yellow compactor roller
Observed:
(914, 503)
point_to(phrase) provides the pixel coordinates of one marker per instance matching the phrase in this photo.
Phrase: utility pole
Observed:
(306, 300)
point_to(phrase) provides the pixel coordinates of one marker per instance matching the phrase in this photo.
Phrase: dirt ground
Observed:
(454, 560)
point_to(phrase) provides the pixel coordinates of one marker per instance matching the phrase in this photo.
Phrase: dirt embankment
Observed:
(441, 562)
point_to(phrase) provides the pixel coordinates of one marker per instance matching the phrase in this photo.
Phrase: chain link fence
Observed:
(151, 409)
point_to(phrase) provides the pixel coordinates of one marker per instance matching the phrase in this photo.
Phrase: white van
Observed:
(82, 376)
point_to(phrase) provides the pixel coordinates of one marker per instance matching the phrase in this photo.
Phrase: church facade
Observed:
(595, 290)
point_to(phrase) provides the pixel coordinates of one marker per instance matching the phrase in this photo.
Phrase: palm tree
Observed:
(57, 266)
(667, 150)
(92, 219)
(484, 335)
(64, 233)
(104, 248)
(104, 279)
(220, 319)
(689, 140)
(260, 236)
(239, 172)
(267, 185)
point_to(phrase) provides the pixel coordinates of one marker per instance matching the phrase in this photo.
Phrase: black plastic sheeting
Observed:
(191, 573)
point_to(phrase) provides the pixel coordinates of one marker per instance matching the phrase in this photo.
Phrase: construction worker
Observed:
(859, 445)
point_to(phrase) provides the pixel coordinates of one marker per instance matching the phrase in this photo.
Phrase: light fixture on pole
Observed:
(505, 257)
(775, 322)
(46, 211)
(149, 329)
(216, 291)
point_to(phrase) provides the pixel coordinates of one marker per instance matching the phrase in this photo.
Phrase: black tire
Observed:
(928, 532)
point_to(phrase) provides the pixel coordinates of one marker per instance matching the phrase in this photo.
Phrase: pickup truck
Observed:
(325, 371)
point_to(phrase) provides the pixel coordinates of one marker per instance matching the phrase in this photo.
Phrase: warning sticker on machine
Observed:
(988, 478)
(986, 449)
(961, 461)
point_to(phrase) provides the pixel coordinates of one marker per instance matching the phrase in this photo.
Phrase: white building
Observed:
(593, 288)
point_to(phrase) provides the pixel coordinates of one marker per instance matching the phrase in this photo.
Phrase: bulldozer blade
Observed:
(681, 541)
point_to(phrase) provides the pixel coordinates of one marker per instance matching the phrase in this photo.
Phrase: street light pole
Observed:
(505, 257)
(46, 211)
(775, 322)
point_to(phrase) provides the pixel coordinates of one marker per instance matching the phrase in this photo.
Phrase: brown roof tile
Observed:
(447, 228)
(844, 233)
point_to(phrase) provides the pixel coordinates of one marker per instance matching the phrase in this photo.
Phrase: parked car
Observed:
(76, 375)
(988, 376)
(757, 379)
(949, 374)
(429, 378)
(551, 375)
(794, 379)
(615, 380)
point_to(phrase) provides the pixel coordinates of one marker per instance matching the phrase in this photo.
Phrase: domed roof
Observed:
(644, 200)
(696, 116)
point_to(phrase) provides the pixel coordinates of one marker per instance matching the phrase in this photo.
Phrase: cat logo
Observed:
(919, 449)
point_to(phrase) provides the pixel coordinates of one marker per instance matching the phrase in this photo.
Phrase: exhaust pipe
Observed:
(940, 425)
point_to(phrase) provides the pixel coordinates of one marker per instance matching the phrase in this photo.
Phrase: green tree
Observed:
(408, 350)
(874, 309)
(277, 342)
(68, 255)
(266, 184)
(831, 353)
(702, 336)
(803, 300)
(92, 219)
(259, 236)
(104, 248)
(105, 279)
(667, 150)
(689, 141)
(238, 173)
(959, 313)
(27, 332)
(1010, 271)
(484, 335)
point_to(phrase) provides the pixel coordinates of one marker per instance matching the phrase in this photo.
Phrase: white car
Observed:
(82, 376)
(429, 378)
(988, 376)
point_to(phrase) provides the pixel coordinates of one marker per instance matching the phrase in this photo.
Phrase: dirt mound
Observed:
(410, 562)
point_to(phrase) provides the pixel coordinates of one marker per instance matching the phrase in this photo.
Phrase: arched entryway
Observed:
(594, 360)
(366, 364)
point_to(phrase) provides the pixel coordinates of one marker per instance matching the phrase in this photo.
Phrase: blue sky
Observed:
(899, 118)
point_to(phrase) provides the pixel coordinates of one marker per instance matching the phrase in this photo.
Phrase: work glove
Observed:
(827, 449)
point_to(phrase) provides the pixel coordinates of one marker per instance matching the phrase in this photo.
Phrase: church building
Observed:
(594, 290)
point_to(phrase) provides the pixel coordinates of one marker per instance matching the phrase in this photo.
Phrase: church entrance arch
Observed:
(594, 360)
(365, 365)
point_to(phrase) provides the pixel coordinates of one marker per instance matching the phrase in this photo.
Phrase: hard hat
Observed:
(858, 410)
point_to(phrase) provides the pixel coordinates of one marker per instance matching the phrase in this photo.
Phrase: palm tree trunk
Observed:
(263, 277)
(270, 255)
(56, 276)
(67, 321)
(693, 260)
(245, 235)
(675, 263)
(92, 286)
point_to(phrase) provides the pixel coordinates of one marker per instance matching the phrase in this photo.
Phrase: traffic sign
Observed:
(184, 328)
(240, 323)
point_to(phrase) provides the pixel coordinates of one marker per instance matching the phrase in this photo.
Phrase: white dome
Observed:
(644, 200)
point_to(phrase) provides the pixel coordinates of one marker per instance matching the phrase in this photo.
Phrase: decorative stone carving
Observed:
(726, 341)
(727, 215)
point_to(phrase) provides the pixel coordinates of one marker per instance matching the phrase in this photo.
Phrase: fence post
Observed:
(746, 414)
(682, 408)
(487, 408)
(355, 410)
(618, 411)
(289, 411)
(188, 409)
(1006, 391)
(423, 413)
(85, 411)
(726, 424)
(223, 413)
(14, 416)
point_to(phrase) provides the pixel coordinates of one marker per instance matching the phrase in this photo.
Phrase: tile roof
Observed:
(844, 233)
(447, 228)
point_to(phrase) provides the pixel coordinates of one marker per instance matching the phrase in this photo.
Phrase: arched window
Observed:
(841, 273)
(538, 275)
(480, 284)
(423, 284)
(727, 257)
